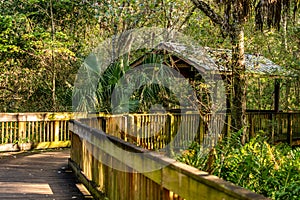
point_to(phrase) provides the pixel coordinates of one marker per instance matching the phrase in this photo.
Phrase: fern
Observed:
(271, 170)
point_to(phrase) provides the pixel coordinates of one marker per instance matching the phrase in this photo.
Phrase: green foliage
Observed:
(271, 170)
(47, 40)
(50, 46)
(120, 93)
(260, 93)
(39, 59)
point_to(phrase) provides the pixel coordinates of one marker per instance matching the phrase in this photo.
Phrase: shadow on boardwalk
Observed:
(39, 175)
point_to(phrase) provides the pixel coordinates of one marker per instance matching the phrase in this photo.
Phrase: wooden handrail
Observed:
(43, 130)
(40, 116)
(129, 180)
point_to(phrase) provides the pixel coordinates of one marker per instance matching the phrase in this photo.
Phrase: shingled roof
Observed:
(256, 64)
(219, 59)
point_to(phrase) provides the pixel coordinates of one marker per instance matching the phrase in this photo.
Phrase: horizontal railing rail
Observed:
(42, 130)
(113, 168)
(151, 131)
(155, 131)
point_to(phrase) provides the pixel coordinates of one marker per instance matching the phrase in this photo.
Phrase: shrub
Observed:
(270, 170)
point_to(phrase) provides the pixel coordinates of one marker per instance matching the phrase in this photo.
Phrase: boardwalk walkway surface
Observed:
(39, 175)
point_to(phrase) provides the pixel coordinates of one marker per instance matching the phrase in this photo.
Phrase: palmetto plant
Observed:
(107, 82)
(122, 89)
(144, 86)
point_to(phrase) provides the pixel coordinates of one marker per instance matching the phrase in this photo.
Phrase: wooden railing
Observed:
(115, 169)
(281, 126)
(155, 131)
(43, 130)
(152, 131)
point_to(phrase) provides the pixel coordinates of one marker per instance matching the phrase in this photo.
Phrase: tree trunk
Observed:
(52, 57)
(236, 32)
(238, 106)
(285, 22)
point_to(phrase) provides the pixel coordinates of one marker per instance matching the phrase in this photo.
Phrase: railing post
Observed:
(125, 127)
(102, 123)
(130, 125)
(22, 127)
(270, 124)
(251, 122)
(273, 124)
(56, 131)
(170, 134)
(22, 130)
(228, 125)
(139, 128)
(290, 130)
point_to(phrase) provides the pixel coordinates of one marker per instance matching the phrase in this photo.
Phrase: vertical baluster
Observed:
(67, 134)
(144, 124)
(61, 130)
(11, 132)
(44, 130)
(38, 131)
(148, 125)
(6, 132)
(2, 132)
(15, 131)
(56, 130)
(139, 129)
(32, 130)
(64, 130)
(48, 131)
(29, 130)
(52, 131)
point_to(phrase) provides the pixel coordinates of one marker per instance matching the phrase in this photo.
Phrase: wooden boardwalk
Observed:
(39, 175)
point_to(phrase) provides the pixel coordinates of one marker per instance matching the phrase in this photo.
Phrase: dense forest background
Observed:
(44, 42)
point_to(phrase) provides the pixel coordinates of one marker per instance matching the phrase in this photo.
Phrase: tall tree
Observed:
(45, 40)
(231, 16)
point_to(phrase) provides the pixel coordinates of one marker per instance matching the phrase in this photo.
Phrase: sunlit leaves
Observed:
(271, 170)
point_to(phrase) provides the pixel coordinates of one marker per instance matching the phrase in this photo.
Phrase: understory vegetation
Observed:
(270, 170)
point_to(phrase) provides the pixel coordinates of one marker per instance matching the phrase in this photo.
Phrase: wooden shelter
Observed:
(193, 63)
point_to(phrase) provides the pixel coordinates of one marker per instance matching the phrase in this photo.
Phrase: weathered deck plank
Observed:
(39, 175)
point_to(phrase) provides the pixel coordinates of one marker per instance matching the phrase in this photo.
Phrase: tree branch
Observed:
(217, 19)
(209, 12)
(187, 17)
